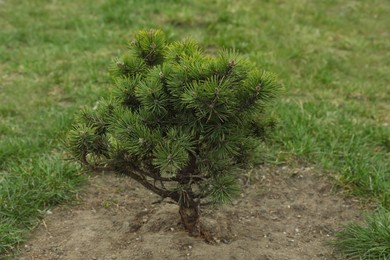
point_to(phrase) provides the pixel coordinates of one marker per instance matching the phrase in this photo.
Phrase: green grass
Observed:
(331, 57)
(371, 241)
(28, 189)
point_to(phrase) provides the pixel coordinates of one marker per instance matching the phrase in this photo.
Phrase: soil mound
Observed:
(282, 213)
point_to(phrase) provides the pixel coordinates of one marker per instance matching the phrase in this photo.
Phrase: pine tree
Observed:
(180, 122)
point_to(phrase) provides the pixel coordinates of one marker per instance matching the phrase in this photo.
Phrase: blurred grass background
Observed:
(332, 58)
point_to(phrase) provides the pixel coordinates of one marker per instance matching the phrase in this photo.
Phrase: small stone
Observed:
(125, 225)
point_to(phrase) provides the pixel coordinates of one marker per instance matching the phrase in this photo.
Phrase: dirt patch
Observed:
(282, 213)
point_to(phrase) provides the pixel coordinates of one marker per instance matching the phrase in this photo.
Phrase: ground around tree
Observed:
(282, 213)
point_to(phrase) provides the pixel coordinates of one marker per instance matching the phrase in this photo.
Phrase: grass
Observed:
(331, 57)
(28, 189)
(371, 241)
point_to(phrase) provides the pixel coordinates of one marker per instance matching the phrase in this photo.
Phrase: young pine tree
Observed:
(180, 122)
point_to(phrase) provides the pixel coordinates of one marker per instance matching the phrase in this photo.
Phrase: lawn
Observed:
(331, 57)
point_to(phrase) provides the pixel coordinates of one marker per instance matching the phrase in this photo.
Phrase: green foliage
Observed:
(180, 121)
(369, 241)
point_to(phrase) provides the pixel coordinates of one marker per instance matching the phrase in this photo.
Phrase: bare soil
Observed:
(282, 213)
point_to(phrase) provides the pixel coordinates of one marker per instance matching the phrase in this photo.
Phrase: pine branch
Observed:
(138, 175)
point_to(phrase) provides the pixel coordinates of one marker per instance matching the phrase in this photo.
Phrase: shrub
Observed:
(180, 122)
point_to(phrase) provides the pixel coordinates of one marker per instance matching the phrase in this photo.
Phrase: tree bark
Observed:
(190, 219)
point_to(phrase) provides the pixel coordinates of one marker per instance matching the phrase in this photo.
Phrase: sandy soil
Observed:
(282, 213)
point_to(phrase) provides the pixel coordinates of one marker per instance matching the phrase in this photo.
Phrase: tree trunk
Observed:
(190, 219)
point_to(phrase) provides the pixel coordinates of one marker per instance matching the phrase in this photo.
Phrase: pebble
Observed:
(125, 225)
